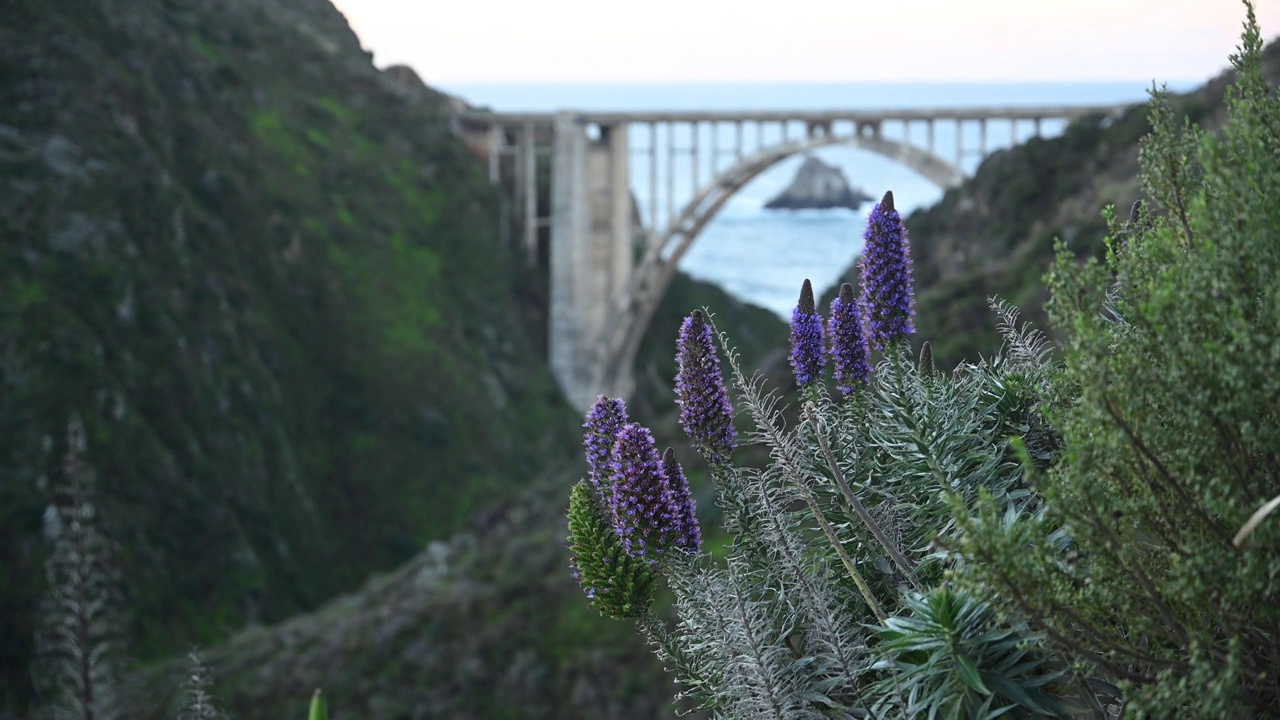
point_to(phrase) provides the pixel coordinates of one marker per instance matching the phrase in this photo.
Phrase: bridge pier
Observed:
(591, 256)
(494, 142)
(529, 189)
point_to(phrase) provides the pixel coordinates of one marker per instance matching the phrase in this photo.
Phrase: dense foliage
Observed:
(1031, 535)
(1171, 435)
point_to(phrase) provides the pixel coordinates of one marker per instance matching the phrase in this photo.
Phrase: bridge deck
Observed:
(812, 116)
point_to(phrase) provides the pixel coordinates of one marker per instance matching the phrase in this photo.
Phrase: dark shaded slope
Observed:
(273, 289)
(994, 234)
(486, 624)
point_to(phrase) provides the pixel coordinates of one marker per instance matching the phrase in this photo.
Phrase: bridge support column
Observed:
(653, 181)
(495, 142)
(671, 172)
(529, 180)
(693, 151)
(591, 256)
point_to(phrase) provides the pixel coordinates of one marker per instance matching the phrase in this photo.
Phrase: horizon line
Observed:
(1120, 81)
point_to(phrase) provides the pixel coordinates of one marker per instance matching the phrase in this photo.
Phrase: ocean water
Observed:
(763, 256)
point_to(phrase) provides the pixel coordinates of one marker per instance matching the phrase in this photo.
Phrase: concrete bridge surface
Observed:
(609, 267)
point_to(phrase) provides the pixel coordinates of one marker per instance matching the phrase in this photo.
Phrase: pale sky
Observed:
(480, 41)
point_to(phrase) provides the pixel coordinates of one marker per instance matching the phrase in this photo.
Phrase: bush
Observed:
(1173, 435)
(1023, 536)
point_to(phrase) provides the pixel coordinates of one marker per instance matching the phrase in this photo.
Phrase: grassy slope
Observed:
(273, 289)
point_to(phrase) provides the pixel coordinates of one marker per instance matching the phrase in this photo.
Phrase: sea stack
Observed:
(818, 185)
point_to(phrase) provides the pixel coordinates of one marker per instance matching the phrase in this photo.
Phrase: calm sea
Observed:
(763, 256)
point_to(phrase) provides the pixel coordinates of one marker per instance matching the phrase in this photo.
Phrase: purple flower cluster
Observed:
(605, 420)
(807, 348)
(887, 301)
(646, 499)
(705, 412)
(685, 522)
(646, 511)
(848, 345)
(883, 314)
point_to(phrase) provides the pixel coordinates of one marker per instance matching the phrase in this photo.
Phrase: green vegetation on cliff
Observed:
(273, 285)
(994, 234)
(270, 281)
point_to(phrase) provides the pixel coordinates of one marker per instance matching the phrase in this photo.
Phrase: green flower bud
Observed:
(619, 585)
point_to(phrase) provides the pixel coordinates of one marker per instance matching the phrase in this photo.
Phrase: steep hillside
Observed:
(272, 287)
(994, 234)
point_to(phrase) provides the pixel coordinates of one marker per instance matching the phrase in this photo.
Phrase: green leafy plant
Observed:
(950, 658)
(319, 707)
(842, 532)
(1171, 439)
(198, 704)
(79, 655)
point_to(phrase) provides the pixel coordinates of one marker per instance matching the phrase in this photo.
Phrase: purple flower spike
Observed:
(887, 301)
(807, 356)
(642, 501)
(848, 345)
(606, 418)
(705, 412)
(688, 534)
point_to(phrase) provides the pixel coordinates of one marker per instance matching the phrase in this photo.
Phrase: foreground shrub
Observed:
(832, 551)
(1018, 537)
(1172, 438)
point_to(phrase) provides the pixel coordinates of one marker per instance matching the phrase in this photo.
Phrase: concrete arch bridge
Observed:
(611, 261)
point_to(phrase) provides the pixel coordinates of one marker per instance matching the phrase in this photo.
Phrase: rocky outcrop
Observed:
(485, 624)
(820, 186)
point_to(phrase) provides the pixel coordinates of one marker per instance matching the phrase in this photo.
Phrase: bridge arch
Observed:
(633, 312)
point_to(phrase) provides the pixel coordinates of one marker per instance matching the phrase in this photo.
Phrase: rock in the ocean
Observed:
(818, 185)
